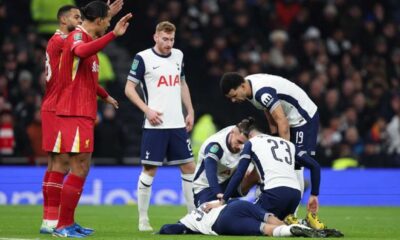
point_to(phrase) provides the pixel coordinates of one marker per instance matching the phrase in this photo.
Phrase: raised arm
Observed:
(84, 50)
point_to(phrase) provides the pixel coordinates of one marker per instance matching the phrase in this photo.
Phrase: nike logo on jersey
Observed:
(155, 67)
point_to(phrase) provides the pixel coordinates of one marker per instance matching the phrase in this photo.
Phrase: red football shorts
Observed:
(76, 135)
(50, 129)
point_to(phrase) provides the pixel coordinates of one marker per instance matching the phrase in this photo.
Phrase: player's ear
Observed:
(155, 36)
(63, 20)
(98, 21)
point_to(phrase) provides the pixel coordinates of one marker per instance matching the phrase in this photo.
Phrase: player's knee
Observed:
(80, 164)
(188, 168)
(60, 163)
(149, 170)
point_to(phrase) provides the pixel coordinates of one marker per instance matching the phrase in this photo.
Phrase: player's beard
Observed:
(70, 27)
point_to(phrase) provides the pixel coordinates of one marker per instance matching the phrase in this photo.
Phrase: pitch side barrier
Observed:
(117, 185)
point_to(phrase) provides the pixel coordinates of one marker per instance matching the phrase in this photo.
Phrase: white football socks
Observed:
(144, 193)
(187, 188)
(282, 231)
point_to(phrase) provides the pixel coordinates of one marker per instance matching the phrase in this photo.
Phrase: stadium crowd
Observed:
(345, 54)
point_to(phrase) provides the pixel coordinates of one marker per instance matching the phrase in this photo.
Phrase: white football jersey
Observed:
(200, 221)
(160, 78)
(270, 90)
(274, 159)
(215, 147)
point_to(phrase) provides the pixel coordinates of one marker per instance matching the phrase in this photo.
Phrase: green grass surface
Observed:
(120, 222)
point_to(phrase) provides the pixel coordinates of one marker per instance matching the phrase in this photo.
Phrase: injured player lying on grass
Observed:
(240, 217)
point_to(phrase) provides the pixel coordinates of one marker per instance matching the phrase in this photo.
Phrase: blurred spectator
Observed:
(393, 133)
(344, 54)
(7, 136)
(34, 131)
(109, 135)
(353, 140)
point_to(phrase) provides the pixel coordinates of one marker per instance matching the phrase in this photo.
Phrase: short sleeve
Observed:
(246, 152)
(214, 151)
(136, 74)
(268, 98)
(76, 39)
(183, 77)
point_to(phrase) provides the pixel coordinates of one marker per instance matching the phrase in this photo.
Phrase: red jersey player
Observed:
(77, 106)
(58, 165)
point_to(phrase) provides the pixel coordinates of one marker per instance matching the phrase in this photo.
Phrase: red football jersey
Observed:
(78, 79)
(53, 55)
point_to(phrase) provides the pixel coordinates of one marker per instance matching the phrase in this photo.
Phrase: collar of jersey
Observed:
(163, 56)
(251, 87)
(227, 143)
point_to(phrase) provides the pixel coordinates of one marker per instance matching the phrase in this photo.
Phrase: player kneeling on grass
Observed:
(238, 217)
(218, 159)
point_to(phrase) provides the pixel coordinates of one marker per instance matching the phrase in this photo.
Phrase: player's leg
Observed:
(53, 186)
(179, 152)
(77, 141)
(175, 228)
(144, 187)
(281, 201)
(276, 228)
(73, 187)
(241, 218)
(152, 154)
(187, 172)
(57, 167)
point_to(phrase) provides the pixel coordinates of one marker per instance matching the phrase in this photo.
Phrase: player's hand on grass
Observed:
(154, 117)
(189, 120)
(122, 25)
(112, 101)
(312, 205)
(115, 7)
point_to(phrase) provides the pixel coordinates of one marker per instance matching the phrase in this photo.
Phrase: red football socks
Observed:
(44, 192)
(70, 195)
(54, 186)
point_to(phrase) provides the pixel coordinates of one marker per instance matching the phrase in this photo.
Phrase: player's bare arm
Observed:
(278, 115)
(115, 7)
(273, 128)
(112, 101)
(189, 120)
(122, 25)
(101, 92)
(153, 116)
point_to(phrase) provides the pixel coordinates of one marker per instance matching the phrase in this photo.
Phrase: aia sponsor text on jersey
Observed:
(169, 81)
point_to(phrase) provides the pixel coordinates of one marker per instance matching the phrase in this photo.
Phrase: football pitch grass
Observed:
(120, 222)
